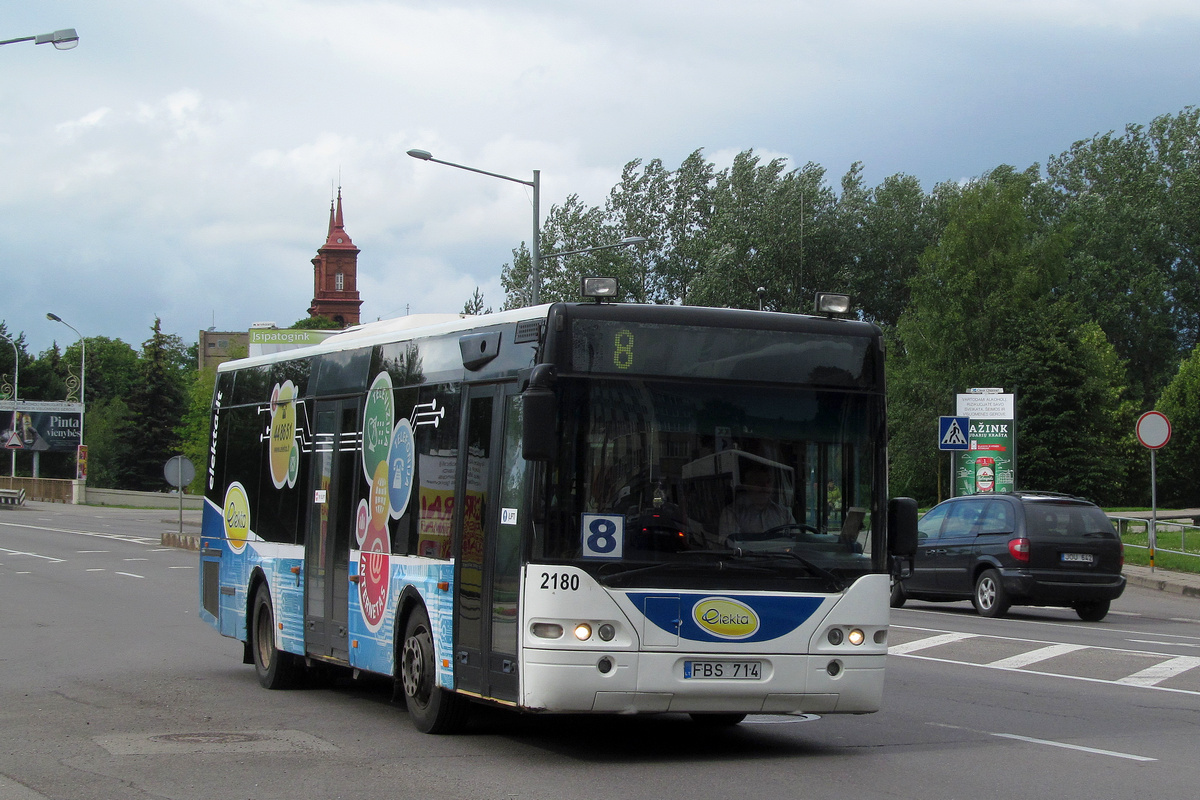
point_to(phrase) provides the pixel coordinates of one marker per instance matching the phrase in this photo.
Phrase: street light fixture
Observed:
(66, 39)
(626, 242)
(535, 256)
(82, 368)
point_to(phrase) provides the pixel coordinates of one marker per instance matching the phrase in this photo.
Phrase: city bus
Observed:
(590, 507)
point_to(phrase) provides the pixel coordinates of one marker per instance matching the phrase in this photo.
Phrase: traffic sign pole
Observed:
(1153, 431)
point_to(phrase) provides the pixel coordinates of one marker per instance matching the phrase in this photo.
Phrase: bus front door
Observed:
(487, 549)
(327, 542)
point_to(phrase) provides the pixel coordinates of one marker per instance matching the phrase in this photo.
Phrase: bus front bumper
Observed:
(564, 681)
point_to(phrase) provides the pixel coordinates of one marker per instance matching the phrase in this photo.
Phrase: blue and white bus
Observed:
(573, 508)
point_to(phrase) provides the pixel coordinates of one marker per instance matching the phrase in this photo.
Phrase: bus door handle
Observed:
(296, 572)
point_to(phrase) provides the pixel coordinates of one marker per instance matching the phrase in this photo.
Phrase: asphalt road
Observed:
(112, 688)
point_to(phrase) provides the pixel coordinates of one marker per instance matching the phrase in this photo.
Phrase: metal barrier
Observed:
(1170, 537)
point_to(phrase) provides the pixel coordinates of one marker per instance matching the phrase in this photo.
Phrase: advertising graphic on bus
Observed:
(572, 508)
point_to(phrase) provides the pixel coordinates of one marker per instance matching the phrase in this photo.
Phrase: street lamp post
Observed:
(66, 39)
(16, 393)
(82, 376)
(535, 256)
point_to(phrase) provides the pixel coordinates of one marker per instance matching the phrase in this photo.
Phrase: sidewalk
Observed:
(1184, 583)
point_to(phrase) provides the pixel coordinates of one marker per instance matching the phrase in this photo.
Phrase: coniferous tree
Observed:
(156, 405)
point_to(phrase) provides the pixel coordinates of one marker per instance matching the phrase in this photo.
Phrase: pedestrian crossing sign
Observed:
(952, 433)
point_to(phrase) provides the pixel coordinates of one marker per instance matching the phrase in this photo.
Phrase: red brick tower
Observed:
(335, 273)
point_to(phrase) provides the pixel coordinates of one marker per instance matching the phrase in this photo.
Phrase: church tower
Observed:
(335, 273)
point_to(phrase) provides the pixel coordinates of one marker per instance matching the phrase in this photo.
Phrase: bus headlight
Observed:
(583, 631)
(856, 637)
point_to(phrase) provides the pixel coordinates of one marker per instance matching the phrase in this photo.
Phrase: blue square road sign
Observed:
(953, 433)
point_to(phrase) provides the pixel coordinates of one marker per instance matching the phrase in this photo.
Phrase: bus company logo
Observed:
(237, 517)
(726, 618)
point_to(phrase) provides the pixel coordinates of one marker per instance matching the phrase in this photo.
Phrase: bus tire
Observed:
(431, 708)
(899, 598)
(276, 669)
(717, 720)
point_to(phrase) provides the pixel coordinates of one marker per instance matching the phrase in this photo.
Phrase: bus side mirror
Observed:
(902, 527)
(539, 415)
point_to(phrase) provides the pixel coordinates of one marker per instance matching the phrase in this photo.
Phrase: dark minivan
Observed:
(1020, 548)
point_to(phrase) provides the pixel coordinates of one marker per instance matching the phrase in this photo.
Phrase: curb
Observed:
(186, 541)
(1163, 585)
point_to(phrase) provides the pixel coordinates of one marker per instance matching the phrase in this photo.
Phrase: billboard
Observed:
(41, 426)
(989, 464)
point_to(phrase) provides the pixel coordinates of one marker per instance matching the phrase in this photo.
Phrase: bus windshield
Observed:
(666, 482)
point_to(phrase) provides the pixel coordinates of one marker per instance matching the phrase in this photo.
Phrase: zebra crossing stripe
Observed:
(1152, 676)
(1034, 656)
(931, 641)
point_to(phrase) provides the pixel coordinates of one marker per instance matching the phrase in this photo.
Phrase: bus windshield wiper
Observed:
(722, 562)
(815, 569)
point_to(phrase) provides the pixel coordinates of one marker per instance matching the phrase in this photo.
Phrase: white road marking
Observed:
(51, 559)
(1080, 748)
(1152, 676)
(1147, 679)
(931, 641)
(1034, 656)
(1047, 742)
(131, 575)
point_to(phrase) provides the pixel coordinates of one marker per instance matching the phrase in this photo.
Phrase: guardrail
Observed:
(1177, 538)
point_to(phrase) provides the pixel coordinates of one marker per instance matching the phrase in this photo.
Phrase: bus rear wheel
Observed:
(276, 669)
(431, 708)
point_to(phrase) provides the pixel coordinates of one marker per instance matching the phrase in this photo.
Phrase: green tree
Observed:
(195, 428)
(156, 406)
(474, 306)
(1176, 462)
(315, 323)
(979, 295)
(683, 247)
(108, 427)
(1131, 201)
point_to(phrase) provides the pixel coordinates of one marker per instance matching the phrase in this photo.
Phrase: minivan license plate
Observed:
(1082, 558)
(722, 670)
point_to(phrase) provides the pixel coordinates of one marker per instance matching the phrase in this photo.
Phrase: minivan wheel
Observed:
(990, 599)
(1092, 612)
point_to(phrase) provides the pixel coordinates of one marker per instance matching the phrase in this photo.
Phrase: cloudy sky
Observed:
(180, 161)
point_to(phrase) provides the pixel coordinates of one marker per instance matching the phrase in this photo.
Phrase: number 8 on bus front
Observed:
(603, 535)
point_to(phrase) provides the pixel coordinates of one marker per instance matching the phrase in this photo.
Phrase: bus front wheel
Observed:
(276, 669)
(431, 708)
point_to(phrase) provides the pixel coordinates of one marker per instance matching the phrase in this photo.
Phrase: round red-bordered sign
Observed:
(1153, 429)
